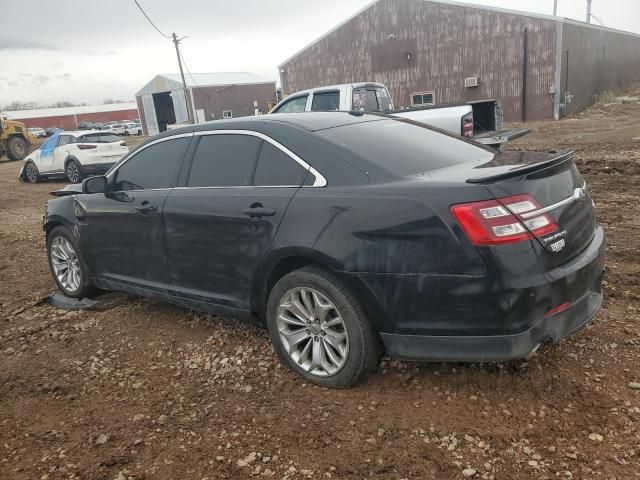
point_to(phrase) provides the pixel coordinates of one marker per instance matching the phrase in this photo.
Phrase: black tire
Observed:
(84, 284)
(31, 173)
(17, 148)
(73, 171)
(126, 133)
(139, 132)
(364, 345)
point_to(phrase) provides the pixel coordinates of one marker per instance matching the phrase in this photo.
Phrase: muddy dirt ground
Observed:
(138, 389)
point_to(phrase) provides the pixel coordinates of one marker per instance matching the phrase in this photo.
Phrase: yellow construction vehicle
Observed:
(15, 139)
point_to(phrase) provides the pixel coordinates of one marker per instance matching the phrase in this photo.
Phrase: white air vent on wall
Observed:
(471, 82)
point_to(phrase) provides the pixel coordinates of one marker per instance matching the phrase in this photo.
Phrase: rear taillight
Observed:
(467, 125)
(500, 221)
(86, 147)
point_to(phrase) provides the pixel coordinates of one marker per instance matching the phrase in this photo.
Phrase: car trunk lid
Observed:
(553, 180)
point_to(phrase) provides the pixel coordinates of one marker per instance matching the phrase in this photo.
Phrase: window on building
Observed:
(227, 114)
(325, 101)
(226, 160)
(293, 105)
(422, 99)
(277, 168)
(153, 167)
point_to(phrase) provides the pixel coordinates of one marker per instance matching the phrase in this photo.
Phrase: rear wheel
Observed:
(126, 133)
(319, 329)
(67, 267)
(74, 174)
(17, 148)
(31, 173)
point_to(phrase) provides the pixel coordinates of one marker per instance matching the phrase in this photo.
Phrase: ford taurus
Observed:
(346, 234)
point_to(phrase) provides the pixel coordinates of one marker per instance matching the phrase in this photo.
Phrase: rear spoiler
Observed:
(560, 157)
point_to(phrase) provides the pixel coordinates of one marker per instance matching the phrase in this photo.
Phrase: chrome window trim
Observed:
(319, 180)
(578, 194)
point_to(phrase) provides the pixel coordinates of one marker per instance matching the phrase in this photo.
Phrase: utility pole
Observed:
(588, 11)
(184, 83)
(555, 7)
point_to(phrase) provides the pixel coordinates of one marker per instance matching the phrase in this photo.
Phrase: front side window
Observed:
(225, 160)
(153, 167)
(65, 140)
(295, 105)
(277, 168)
(325, 101)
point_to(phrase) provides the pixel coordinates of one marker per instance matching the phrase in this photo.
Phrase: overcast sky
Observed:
(89, 50)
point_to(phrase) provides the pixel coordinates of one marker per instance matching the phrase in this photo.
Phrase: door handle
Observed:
(146, 207)
(259, 212)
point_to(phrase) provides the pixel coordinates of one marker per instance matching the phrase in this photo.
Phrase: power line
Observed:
(150, 21)
(187, 67)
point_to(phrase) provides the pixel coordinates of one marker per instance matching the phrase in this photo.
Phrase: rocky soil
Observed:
(137, 389)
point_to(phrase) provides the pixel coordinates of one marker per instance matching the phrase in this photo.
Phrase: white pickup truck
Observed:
(479, 120)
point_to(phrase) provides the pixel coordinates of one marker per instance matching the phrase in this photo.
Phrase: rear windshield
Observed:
(99, 138)
(405, 148)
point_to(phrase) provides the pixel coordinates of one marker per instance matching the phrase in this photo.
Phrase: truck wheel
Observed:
(31, 173)
(74, 173)
(319, 329)
(17, 148)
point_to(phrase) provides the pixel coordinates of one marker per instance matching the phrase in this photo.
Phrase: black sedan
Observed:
(346, 234)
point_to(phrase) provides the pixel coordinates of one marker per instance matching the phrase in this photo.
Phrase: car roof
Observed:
(311, 121)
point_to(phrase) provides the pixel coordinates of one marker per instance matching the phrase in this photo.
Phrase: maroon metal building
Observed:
(68, 118)
(210, 96)
(539, 66)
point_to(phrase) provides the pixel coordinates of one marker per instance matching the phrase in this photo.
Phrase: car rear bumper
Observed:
(96, 168)
(493, 348)
(449, 318)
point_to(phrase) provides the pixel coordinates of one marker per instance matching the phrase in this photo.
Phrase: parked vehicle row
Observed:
(343, 233)
(74, 155)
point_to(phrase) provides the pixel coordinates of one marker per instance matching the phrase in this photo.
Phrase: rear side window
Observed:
(277, 168)
(153, 167)
(99, 138)
(405, 148)
(224, 161)
(325, 101)
(294, 105)
(371, 99)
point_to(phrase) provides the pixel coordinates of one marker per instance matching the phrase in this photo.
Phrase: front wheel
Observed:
(31, 173)
(319, 329)
(67, 267)
(74, 174)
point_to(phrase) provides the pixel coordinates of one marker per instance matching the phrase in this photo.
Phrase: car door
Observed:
(61, 152)
(125, 241)
(220, 224)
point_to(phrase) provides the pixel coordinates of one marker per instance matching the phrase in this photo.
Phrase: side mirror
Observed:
(95, 184)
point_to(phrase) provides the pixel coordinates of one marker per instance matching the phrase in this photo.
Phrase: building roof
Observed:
(456, 3)
(173, 81)
(218, 78)
(60, 112)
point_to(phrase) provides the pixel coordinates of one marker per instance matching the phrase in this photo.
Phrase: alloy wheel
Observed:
(312, 331)
(32, 174)
(73, 172)
(66, 264)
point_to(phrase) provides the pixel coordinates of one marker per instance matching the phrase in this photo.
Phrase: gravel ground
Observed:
(138, 389)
